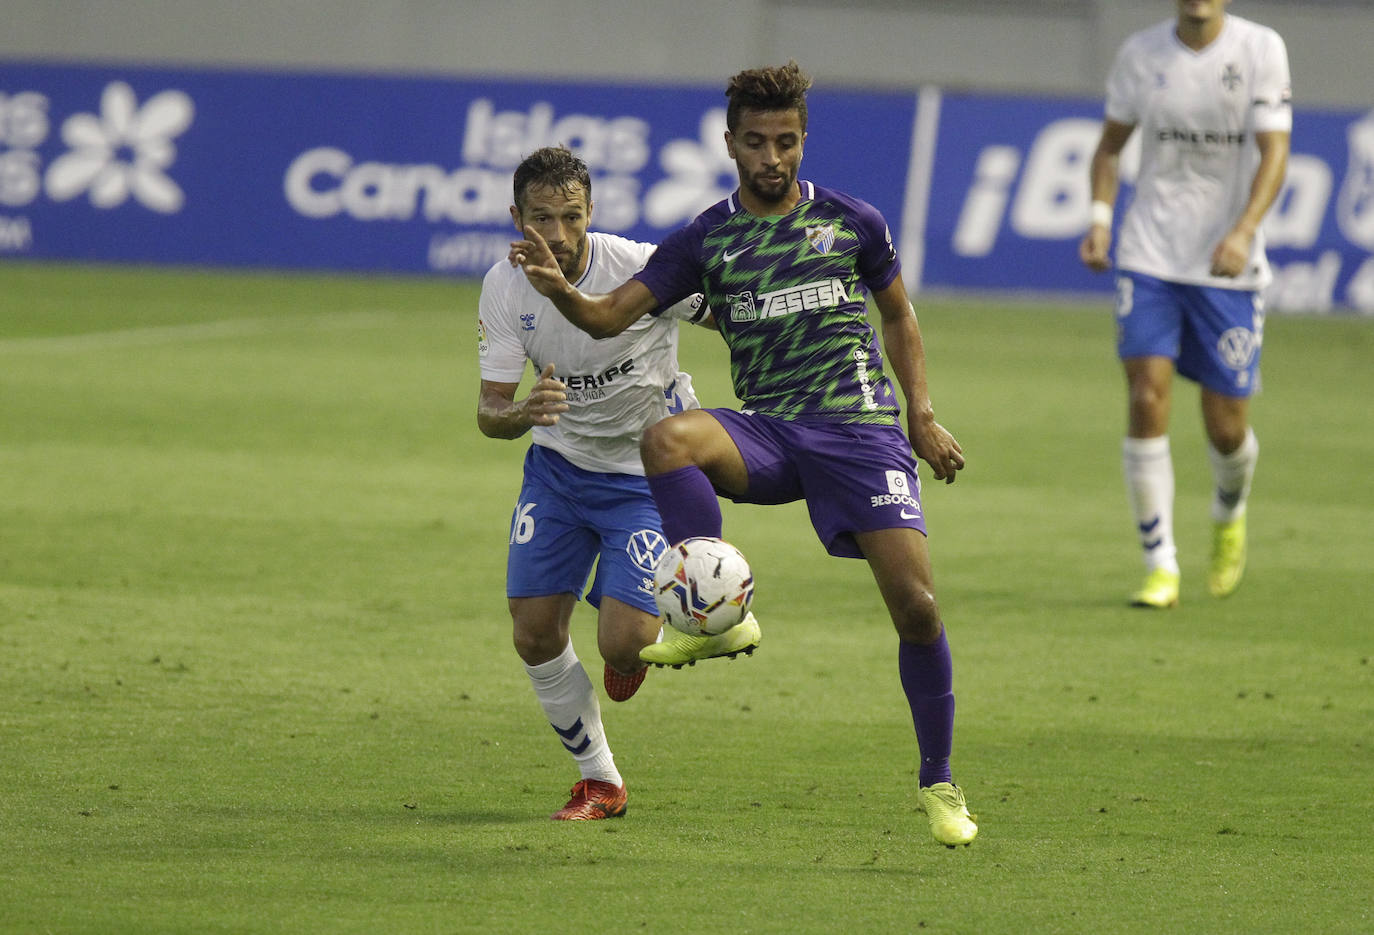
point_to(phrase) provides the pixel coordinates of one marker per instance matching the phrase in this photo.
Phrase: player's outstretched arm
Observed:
(905, 353)
(499, 415)
(601, 316)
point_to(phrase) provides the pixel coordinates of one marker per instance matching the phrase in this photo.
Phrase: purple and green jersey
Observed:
(790, 296)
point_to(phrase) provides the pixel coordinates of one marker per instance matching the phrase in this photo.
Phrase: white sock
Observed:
(565, 693)
(1233, 474)
(1149, 471)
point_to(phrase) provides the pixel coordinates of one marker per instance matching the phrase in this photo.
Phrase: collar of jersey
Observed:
(808, 193)
(591, 258)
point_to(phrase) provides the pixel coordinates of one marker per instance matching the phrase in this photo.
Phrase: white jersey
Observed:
(616, 386)
(1197, 113)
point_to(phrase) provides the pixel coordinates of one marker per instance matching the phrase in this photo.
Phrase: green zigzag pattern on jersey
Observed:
(775, 259)
(779, 241)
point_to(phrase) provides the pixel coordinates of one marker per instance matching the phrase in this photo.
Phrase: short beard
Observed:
(574, 260)
(767, 196)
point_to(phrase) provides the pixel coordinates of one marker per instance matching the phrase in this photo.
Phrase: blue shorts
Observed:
(567, 519)
(1212, 335)
(853, 477)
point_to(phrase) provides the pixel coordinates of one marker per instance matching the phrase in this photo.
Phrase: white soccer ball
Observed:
(703, 586)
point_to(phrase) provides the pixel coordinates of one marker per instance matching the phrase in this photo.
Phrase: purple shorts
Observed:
(854, 477)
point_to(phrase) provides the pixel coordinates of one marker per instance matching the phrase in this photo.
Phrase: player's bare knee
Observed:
(536, 644)
(918, 619)
(532, 648)
(621, 649)
(1147, 397)
(664, 446)
(623, 659)
(1226, 441)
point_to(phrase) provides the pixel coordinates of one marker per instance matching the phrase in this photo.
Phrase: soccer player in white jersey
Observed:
(584, 498)
(1209, 92)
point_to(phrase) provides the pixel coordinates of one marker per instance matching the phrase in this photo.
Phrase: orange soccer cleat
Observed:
(592, 799)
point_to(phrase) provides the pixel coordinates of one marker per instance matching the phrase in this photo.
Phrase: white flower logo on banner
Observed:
(700, 173)
(1355, 203)
(123, 151)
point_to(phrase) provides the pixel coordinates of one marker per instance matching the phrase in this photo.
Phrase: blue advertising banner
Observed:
(1010, 197)
(289, 170)
(366, 172)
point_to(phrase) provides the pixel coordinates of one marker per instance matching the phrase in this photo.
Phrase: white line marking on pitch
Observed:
(201, 331)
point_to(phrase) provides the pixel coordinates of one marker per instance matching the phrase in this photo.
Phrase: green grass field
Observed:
(256, 673)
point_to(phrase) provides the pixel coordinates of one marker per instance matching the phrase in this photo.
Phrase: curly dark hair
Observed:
(779, 87)
(554, 167)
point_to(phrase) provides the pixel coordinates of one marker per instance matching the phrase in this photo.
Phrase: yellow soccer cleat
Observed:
(1228, 557)
(1160, 590)
(683, 650)
(950, 822)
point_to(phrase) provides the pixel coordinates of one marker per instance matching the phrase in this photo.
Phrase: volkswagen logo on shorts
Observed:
(1237, 347)
(644, 548)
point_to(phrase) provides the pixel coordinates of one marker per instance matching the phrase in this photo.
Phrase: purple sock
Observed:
(928, 680)
(687, 503)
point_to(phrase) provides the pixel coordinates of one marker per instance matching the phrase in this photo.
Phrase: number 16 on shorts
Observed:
(522, 524)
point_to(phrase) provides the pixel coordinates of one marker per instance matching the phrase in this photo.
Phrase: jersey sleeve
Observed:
(877, 261)
(673, 273)
(692, 309)
(1121, 104)
(501, 356)
(635, 254)
(1273, 107)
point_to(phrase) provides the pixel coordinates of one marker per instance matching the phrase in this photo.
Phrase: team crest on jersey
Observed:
(1230, 77)
(821, 238)
(742, 307)
(482, 345)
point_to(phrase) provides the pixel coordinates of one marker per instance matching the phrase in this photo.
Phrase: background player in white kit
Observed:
(1210, 94)
(584, 497)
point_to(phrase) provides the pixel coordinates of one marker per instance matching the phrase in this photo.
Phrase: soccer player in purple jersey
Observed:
(787, 266)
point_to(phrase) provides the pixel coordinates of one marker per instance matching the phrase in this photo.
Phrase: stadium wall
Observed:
(1044, 46)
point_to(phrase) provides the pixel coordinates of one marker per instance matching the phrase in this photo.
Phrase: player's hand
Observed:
(540, 265)
(1094, 249)
(548, 397)
(1231, 255)
(934, 445)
